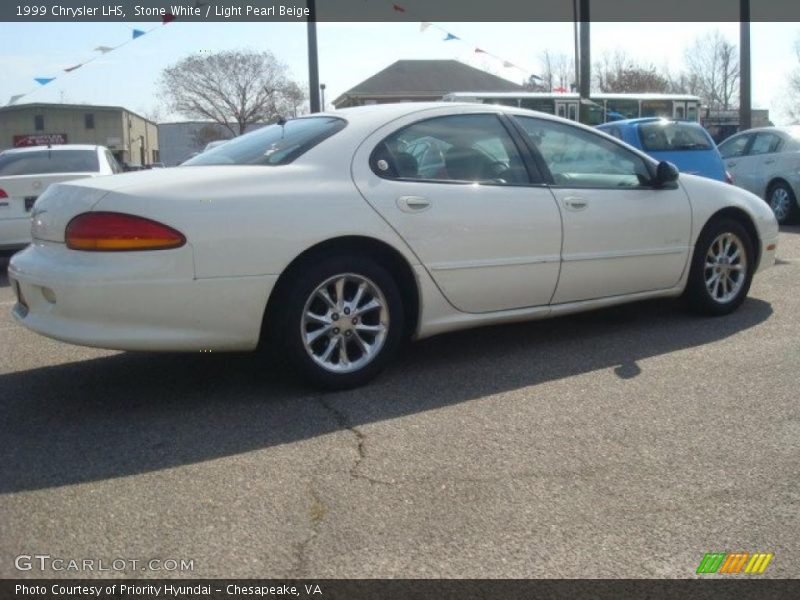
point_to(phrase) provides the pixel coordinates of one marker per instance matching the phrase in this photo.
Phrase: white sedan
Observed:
(25, 173)
(332, 238)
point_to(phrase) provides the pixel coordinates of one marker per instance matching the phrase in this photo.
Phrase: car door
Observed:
(734, 155)
(484, 226)
(621, 236)
(763, 162)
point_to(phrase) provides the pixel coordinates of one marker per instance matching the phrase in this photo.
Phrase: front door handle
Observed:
(575, 203)
(769, 161)
(732, 164)
(412, 204)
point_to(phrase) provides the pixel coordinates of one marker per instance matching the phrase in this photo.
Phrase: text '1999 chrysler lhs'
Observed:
(333, 237)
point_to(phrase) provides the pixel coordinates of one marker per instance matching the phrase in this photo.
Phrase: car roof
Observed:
(640, 120)
(54, 148)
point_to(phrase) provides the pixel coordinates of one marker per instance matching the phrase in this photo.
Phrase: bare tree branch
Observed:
(234, 88)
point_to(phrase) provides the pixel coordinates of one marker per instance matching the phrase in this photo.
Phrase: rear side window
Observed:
(462, 148)
(44, 162)
(272, 145)
(660, 136)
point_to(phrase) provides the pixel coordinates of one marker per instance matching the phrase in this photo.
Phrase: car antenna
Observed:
(282, 122)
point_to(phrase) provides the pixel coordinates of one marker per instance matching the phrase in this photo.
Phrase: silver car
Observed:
(766, 161)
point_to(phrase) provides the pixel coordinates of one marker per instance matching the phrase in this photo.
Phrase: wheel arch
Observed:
(745, 220)
(383, 253)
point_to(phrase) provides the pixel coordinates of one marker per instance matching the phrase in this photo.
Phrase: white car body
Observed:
(20, 191)
(479, 254)
(760, 158)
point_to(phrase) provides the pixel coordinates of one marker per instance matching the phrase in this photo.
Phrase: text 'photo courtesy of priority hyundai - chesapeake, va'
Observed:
(416, 299)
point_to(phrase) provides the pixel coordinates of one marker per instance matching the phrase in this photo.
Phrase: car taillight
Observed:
(728, 177)
(117, 232)
(3, 193)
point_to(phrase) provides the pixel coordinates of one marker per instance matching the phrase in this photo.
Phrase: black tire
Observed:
(287, 323)
(698, 295)
(789, 214)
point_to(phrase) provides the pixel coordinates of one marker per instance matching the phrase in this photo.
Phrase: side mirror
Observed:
(666, 173)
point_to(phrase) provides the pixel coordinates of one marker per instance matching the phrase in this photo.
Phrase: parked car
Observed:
(319, 239)
(685, 144)
(766, 161)
(25, 173)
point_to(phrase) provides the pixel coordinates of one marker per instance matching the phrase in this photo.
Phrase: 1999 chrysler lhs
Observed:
(333, 237)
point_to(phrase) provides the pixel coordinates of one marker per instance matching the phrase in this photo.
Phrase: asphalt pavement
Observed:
(627, 442)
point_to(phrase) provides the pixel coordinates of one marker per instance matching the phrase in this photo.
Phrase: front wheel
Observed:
(782, 201)
(340, 321)
(722, 268)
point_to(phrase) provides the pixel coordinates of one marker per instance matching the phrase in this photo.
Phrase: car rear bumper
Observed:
(135, 300)
(15, 233)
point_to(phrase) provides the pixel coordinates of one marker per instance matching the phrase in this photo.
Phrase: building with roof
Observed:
(132, 138)
(422, 81)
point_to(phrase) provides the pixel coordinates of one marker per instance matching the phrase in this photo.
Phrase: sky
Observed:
(348, 53)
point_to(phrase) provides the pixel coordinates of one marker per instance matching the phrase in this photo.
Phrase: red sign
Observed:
(40, 139)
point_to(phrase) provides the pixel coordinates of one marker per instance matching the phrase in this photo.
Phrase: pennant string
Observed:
(100, 50)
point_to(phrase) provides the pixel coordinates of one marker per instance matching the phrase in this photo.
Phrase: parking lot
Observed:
(622, 443)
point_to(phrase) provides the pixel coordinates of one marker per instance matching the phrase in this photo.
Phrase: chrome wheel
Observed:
(345, 322)
(725, 267)
(780, 203)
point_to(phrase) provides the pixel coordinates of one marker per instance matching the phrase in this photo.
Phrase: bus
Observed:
(602, 108)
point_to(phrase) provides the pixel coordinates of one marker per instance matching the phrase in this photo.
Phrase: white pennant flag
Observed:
(424, 25)
(14, 99)
(103, 49)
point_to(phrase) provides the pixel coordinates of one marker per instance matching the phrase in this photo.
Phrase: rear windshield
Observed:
(43, 162)
(661, 136)
(271, 145)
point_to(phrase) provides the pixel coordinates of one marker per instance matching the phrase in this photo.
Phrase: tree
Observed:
(556, 71)
(713, 62)
(234, 88)
(792, 105)
(618, 73)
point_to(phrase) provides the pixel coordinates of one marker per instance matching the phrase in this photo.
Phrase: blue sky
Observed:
(349, 53)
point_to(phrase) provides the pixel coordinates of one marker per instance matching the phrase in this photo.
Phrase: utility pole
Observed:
(585, 80)
(576, 60)
(745, 99)
(313, 59)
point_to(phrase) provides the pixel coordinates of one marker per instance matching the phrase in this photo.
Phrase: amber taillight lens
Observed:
(118, 232)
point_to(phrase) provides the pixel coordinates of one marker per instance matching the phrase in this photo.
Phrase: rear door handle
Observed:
(769, 161)
(732, 164)
(574, 203)
(412, 204)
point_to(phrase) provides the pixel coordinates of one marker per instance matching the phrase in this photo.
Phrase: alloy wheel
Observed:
(345, 322)
(725, 267)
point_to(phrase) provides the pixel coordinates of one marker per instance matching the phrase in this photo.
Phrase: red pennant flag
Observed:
(167, 18)
(398, 8)
(479, 51)
(70, 69)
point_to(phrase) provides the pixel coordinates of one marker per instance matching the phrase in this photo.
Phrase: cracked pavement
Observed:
(622, 443)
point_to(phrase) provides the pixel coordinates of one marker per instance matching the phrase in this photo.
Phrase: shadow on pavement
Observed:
(134, 413)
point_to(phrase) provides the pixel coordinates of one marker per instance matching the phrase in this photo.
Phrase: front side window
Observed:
(766, 143)
(43, 162)
(462, 148)
(578, 158)
(734, 147)
(272, 145)
(664, 136)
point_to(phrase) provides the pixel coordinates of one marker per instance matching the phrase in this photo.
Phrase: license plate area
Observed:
(29, 201)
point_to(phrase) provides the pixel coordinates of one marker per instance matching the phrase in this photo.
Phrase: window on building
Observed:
(155, 156)
(88, 120)
(38, 122)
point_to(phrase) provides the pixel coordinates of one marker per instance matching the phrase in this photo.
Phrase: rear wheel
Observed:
(782, 201)
(340, 321)
(722, 268)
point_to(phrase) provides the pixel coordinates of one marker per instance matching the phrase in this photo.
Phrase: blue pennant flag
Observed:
(449, 37)
(138, 33)
(43, 80)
